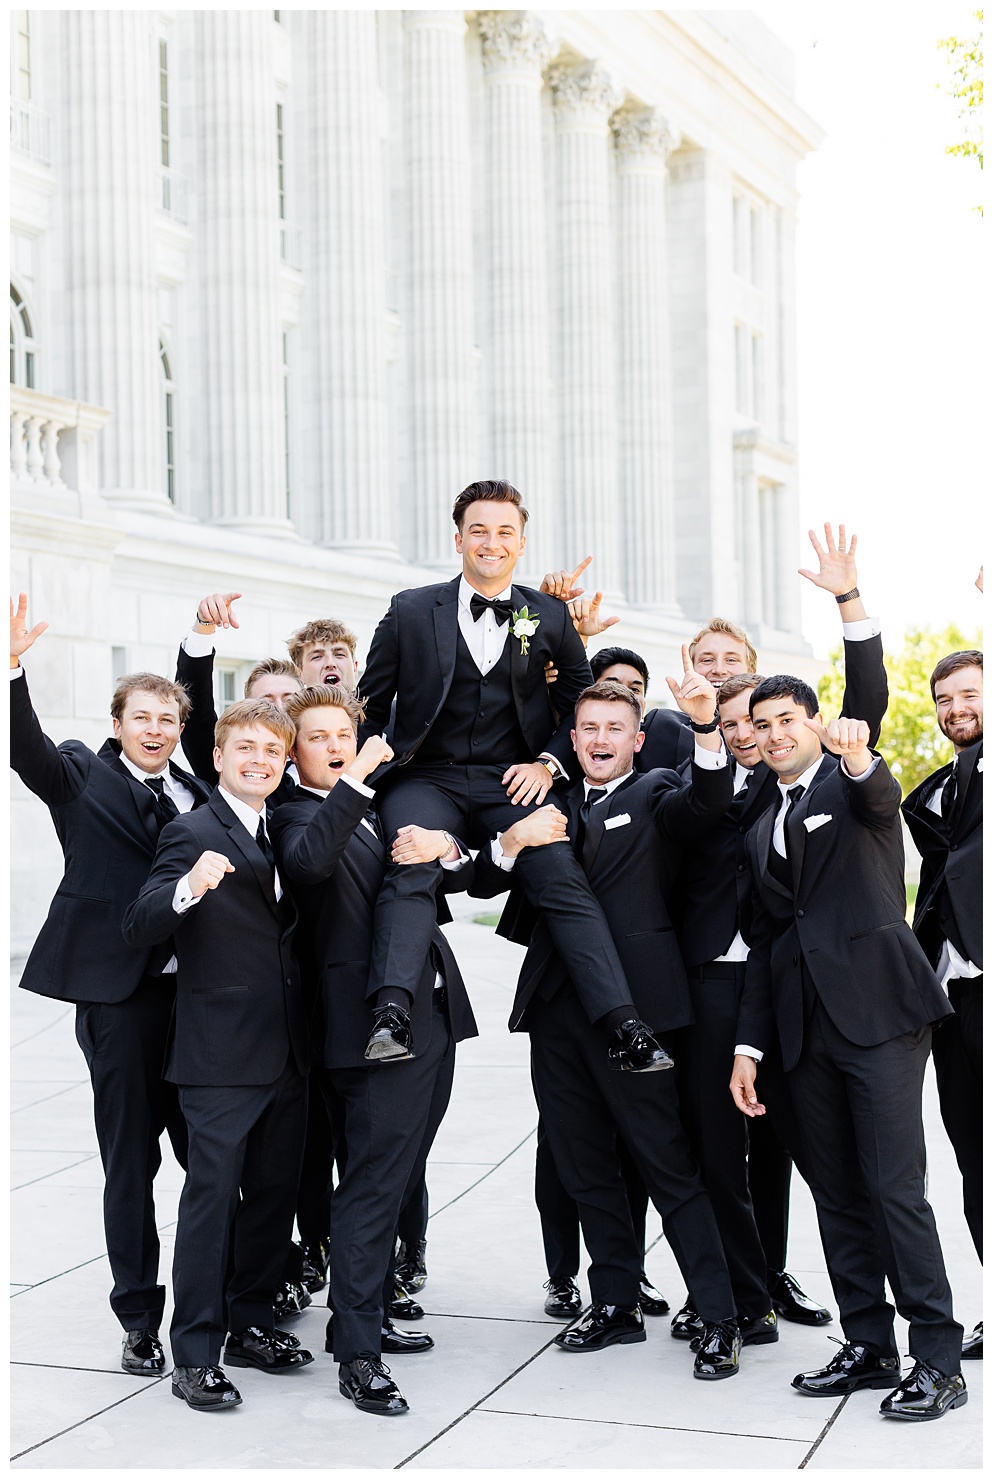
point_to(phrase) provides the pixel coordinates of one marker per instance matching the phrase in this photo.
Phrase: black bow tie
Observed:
(502, 610)
(164, 804)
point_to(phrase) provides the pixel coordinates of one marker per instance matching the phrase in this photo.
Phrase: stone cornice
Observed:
(514, 41)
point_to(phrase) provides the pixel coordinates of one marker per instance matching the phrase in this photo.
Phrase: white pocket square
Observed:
(812, 823)
(979, 763)
(618, 821)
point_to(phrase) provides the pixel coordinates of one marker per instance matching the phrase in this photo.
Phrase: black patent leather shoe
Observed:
(204, 1388)
(790, 1302)
(367, 1382)
(686, 1325)
(411, 1268)
(402, 1307)
(260, 1348)
(389, 1041)
(633, 1049)
(650, 1300)
(603, 1325)
(142, 1354)
(852, 1369)
(564, 1300)
(718, 1352)
(763, 1330)
(316, 1257)
(924, 1395)
(393, 1342)
(289, 1301)
(972, 1346)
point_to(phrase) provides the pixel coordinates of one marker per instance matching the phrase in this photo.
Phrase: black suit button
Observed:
(482, 713)
(741, 867)
(953, 847)
(483, 682)
(799, 914)
(742, 830)
(796, 960)
(288, 981)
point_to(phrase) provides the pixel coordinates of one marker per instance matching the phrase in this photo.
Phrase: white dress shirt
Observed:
(184, 898)
(486, 637)
(737, 951)
(952, 965)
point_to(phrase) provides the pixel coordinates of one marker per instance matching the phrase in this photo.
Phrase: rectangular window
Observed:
(769, 552)
(286, 418)
(758, 385)
(170, 448)
(742, 369)
(163, 103)
(739, 228)
(281, 178)
(23, 56)
(118, 662)
(755, 245)
(226, 694)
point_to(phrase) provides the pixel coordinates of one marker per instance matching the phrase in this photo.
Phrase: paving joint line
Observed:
(824, 1431)
(613, 1422)
(152, 1382)
(83, 1160)
(38, 1033)
(46, 1098)
(93, 1370)
(482, 1178)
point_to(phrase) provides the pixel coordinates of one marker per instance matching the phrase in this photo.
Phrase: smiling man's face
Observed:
(606, 739)
(251, 763)
(958, 701)
(148, 730)
(325, 746)
(738, 731)
(491, 541)
(782, 738)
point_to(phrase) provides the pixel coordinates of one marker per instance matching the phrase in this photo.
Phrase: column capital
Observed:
(514, 41)
(585, 93)
(643, 138)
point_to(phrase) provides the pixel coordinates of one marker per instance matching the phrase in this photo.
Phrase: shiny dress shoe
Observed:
(763, 1330)
(287, 1339)
(651, 1301)
(143, 1354)
(633, 1049)
(315, 1265)
(718, 1351)
(289, 1301)
(924, 1395)
(393, 1342)
(402, 1307)
(972, 1346)
(603, 1325)
(790, 1302)
(389, 1041)
(564, 1300)
(411, 1269)
(204, 1388)
(367, 1383)
(686, 1325)
(854, 1367)
(261, 1348)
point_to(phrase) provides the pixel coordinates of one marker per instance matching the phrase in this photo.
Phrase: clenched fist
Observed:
(537, 830)
(373, 753)
(207, 872)
(848, 738)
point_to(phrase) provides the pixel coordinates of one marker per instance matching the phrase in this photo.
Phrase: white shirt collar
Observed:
(145, 775)
(803, 780)
(314, 790)
(467, 591)
(607, 786)
(247, 815)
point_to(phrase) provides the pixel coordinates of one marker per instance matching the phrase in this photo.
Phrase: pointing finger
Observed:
(687, 665)
(579, 570)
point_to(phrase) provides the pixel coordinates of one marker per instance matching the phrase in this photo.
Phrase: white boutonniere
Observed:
(523, 625)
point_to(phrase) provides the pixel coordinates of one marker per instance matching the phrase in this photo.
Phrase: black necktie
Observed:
(502, 610)
(596, 793)
(265, 846)
(743, 792)
(949, 796)
(164, 805)
(779, 866)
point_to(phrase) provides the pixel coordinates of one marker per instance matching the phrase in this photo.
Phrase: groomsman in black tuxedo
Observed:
(108, 809)
(836, 974)
(239, 1057)
(476, 745)
(328, 845)
(627, 830)
(945, 817)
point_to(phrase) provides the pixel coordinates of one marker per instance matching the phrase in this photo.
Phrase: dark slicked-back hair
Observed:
(608, 656)
(951, 664)
(784, 685)
(609, 691)
(494, 490)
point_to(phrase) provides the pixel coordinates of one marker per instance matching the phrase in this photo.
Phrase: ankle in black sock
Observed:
(394, 996)
(614, 1018)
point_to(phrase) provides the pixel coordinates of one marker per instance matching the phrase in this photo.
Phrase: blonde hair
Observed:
(325, 629)
(270, 667)
(727, 629)
(323, 696)
(162, 688)
(254, 713)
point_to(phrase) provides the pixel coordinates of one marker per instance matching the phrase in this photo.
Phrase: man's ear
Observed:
(572, 736)
(458, 541)
(117, 728)
(291, 754)
(217, 760)
(639, 740)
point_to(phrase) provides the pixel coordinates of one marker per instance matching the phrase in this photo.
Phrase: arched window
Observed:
(169, 423)
(22, 345)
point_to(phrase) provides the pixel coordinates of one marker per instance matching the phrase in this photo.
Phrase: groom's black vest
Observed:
(478, 722)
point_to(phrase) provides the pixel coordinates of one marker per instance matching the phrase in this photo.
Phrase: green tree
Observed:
(911, 742)
(964, 54)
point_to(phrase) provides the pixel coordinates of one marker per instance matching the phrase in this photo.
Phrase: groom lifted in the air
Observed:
(477, 746)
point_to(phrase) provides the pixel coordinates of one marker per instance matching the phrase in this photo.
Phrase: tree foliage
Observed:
(911, 742)
(964, 54)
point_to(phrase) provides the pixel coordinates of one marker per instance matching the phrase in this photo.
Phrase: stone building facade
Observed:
(283, 282)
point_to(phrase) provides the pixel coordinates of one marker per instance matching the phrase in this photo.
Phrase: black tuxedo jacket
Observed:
(239, 1002)
(844, 920)
(412, 658)
(631, 856)
(108, 826)
(950, 859)
(335, 867)
(716, 883)
(669, 741)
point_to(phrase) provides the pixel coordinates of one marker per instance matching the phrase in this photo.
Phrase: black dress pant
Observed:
(124, 1044)
(413, 1224)
(245, 1140)
(859, 1116)
(560, 1216)
(957, 1049)
(392, 1113)
(470, 802)
(584, 1106)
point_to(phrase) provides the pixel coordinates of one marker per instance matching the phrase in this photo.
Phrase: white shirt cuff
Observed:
(362, 789)
(195, 644)
(456, 863)
(710, 759)
(184, 897)
(16, 672)
(557, 769)
(747, 1051)
(499, 856)
(861, 630)
(864, 774)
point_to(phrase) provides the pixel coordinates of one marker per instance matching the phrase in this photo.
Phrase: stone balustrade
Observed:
(53, 442)
(31, 131)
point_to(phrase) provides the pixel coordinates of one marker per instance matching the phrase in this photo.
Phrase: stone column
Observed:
(108, 178)
(585, 97)
(440, 336)
(238, 415)
(516, 50)
(749, 527)
(647, 503)
(347, 280)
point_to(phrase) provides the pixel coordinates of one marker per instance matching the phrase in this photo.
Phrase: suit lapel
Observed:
(595, 829)
(764, 828)
(247, 846)
(371, 841)
(144, 801)
(797, 831)
(518, 658)
(758, 787)
(446, 634)
(969, 786)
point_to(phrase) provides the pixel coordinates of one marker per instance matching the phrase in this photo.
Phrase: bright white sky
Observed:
(891, 313)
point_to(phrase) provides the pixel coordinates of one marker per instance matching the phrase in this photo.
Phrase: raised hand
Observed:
(742, 1086)
(695, 696)
(419, 845)
(979, 581)
(562, 583)
(374, 752)
(848, 738)
(207, 872)
(537, 830)
(586, 618)
(836, 565)
(20, 638)
(216, 610)
(524, 783)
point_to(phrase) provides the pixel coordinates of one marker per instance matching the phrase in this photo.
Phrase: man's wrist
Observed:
(15, 663)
